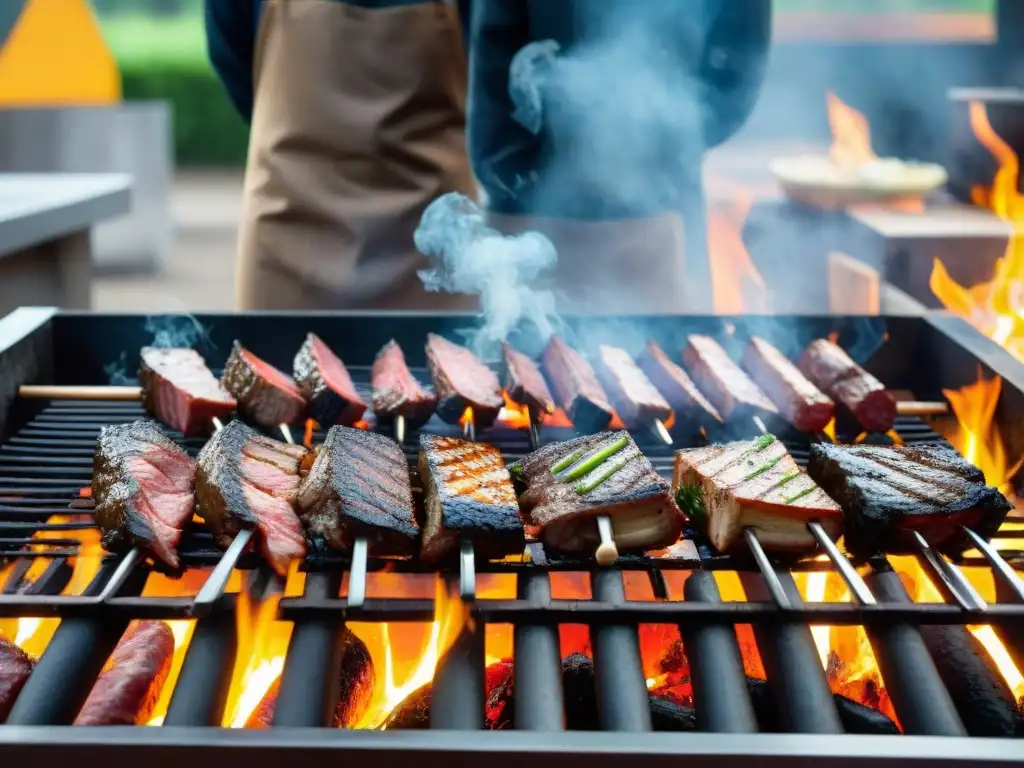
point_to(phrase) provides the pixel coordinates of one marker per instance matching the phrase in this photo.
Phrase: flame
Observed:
(466, 417)
(851, 134)
(513, 414)
(892, 434)
(736, 285)
(307, 436)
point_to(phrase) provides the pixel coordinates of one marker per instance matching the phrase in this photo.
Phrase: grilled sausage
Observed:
(835, 374)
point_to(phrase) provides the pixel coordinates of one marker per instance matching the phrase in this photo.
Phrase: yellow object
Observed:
(56, 56)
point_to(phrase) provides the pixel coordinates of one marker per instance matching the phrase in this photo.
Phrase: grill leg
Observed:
(457, 702)
(201, 692)
(538, 664)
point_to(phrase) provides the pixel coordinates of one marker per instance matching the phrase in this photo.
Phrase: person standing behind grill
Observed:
(357, 122)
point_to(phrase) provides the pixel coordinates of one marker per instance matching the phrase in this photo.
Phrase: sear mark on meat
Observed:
(265, 395)
(577, 388)
(326, 384)
(396, 392)
(179, 390)
(462, 381)
(632, 394)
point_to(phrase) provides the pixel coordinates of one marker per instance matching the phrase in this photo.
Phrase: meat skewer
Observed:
(462, 382)
(802, 403)
(265, 395)
(634, 397)
(396, 394)
(577, 388)
(179, 390)
(730, 390)
(687, 402)
(15, 667)
(326, 384)
(849, 385)
(525, 385)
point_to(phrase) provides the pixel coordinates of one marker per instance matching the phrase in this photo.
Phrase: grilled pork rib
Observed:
(724, 383)
(888, 492)
(676, 386)
(462, 381)
(752, 484)
(632, 394)
(396, 392)
(326, 384)
(142, 486)
(835, 374)
(468, 494)
(577, 388)
(265, 395)
(359, 487)
(244, 480)
(569, 484)
(179, 390)
(525, 384)
(802, 403)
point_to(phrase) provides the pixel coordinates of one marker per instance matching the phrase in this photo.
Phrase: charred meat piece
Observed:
(179, 390)
(632, 394)
(468, 494)
(359, 487)
(802, 403)
(356, 683)
(525, 384)
(265, 395)
(325, 383)
(678, 389)
(752, 484)
(462, 381)
(246, 480)
(888, 492)
(577, 388)
(127, 689)
(15, 667)
(569, 484)
(730, 390)
(142, 485)
(835, 374)
(396, 392)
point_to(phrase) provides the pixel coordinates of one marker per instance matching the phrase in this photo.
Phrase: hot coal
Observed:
(577, 389)
(179, 390)
(142, 486)
(634, 397)
(832, 371)
(525, 383)
(265, 395)
(462, 381)
(326, 384)
(692, 410)
(396, 392)
(799, 401)
(15, 667)
(730, 390)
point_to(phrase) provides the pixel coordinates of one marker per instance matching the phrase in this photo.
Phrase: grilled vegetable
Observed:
(179, 390)
(326, 384)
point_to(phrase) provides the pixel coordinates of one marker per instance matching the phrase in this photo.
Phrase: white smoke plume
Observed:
(168, 331)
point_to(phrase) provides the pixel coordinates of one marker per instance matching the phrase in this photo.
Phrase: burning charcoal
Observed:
(396, 392)
(265, 395)
(359, 487)
(849, 385)
(577, 389)
(856, 718)
(143, 488)
(244, 480)
(887, 493)
(730, 390)
(356, 684)
(129, 686)
(325, 383)
(468, 493)
(670, 715)
(15, 667)
(525, 384)
(690, 407)
(632, 394)
(802, 403)
(462, 381)
(179, 390)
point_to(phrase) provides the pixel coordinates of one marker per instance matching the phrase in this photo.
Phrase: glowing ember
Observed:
(851, 134)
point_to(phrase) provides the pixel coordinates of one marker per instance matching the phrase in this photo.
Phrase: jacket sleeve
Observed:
(230, 42)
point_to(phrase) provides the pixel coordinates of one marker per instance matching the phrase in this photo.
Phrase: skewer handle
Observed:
(400, 429)
(916, 408)
(53, 392)
(287, 432)
(607, 553)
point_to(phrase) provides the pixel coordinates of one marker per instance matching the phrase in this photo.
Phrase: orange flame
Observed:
(736, 285)
(466, 417)
(307, 437)
(851, 134)
(513, 414)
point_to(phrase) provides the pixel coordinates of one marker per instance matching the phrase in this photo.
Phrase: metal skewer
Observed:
(400, 429)
(469, 430)
(661, 431)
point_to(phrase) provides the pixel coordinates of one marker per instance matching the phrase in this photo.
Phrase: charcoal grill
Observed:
(46, 458)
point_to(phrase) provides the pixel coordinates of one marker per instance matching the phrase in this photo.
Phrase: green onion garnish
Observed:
(592, 461)
(565, 462)
(763, 469)
(763, 442)
(691, 501)
(804, 492)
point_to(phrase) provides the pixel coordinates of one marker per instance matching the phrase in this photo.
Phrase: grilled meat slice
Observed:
(142, 485)
(577, 389)
(359, 487)
(676, 386)
(462, 381)
(525, 384)
(802, 403)
(569, 484)
(849, 385)
(888, 492)
(127, 690)
(468, 494)
(179, 390)
(15, 667)
(396, 392)
(730, 390)
(632, 394)
(325, 383)
(245, 479)
(265, 395)
(752, 484)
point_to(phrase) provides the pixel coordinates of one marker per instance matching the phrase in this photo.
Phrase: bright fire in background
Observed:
(736, 285)
(851, 134)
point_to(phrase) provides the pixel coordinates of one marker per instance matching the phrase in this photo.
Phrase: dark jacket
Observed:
(619, 116)
(231, 27)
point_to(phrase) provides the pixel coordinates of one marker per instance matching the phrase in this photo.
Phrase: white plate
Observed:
(814, 179)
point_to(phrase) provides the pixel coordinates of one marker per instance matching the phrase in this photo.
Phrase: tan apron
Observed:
(358, 123)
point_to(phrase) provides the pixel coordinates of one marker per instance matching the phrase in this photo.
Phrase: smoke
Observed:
(167, 331)
(469, 257)
(530, 69)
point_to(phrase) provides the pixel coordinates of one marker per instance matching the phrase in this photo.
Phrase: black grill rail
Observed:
(47, 462)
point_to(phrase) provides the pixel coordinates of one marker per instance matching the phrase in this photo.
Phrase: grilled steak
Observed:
(724, 383)
(142, 485)
(888, 492)
(127, 690)
(15, 667)
(632, 394)
(468, 494)
(359, 487)
(246, 479)
(396, 392)
(179, 390)
(525, 384)
(569, 484)
(849, 385)
(265, 395)
(752, 484)
(326, 384)
(462, 381)
(675, 385)
(577, 389)
(802, 403)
